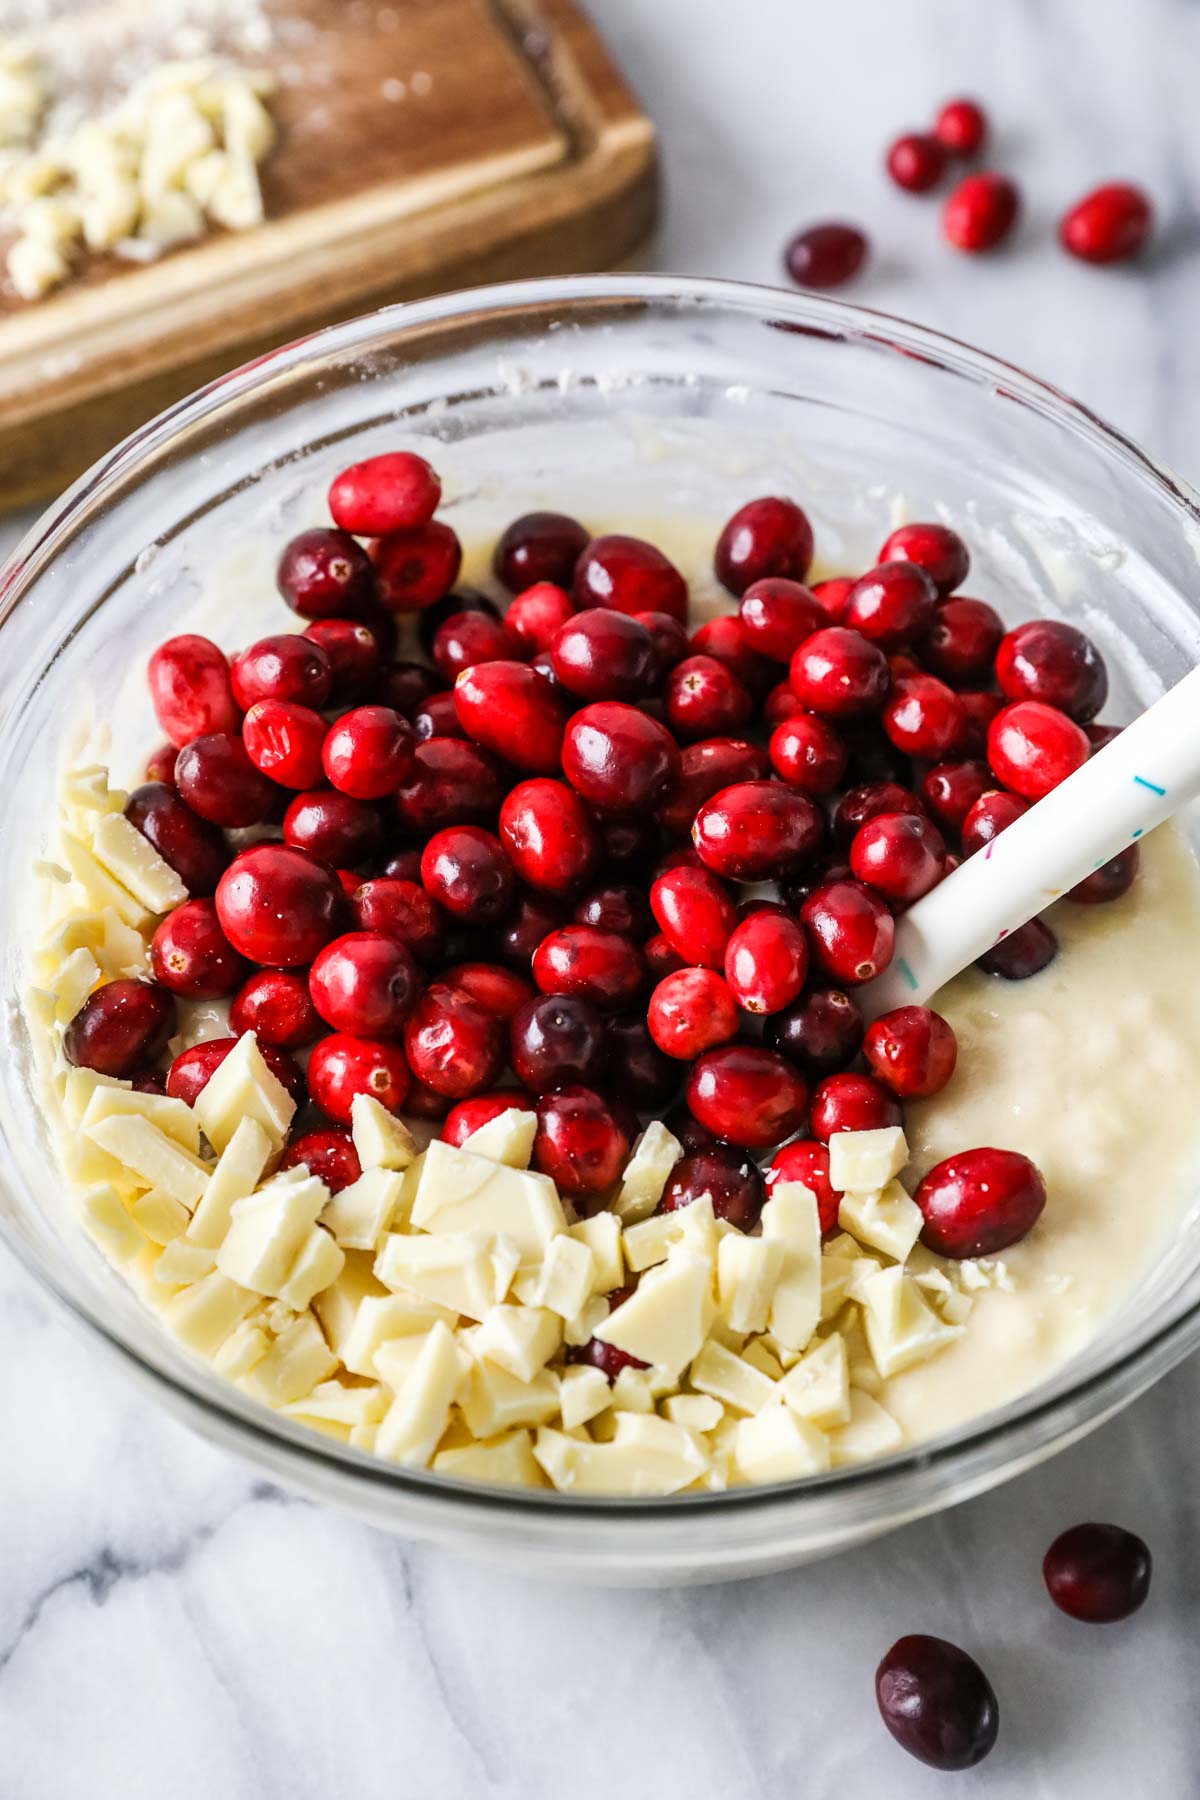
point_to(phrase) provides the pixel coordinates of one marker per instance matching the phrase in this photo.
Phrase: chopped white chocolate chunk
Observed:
(901, 1329)
(468, 1271)
(646, 1456)
(566, 1278)
(602, 1235)
(237, 1173)
(505, 1461)
(817, 1388)
(159, 1217)
(138, 1144)
(492, 1400)
(292, 1367)
(863, 1162)
(116, 1099)
(379, 1319)
(889, 1221)
(182, 1263)
(242, 1087)
(136, 864)
(381, 1139)
(748, 1271)
(106, 1220)
(101, 889)
(418, 1415)
(363, 1211)
(790, 1216)
(728, 1378)
(583, 1391)
(508, 1138)
(666, 1319)
(870, 1432)
(646, 1174)
(460, 1193)
(203, 1315)
(695, 1412)
(777, 1445)
(522, 1339)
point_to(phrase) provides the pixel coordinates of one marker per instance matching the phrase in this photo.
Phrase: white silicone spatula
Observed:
(1119, 794)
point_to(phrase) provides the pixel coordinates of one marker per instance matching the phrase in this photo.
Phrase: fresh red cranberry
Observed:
(329, 1155)
(661, 956)
(1056, 664)
(415, 567)
(756, 830)
(617, 906)
(620, 759)
(342, 1067)
(364, 983)
(120, 1028)
(405, 865)
(336, 828)
(849, 1102)
(980, 212)
(961, 127)
(466, 638)
(368, 753)
(539, 546)
(825, 256)
(733, 1182)
(454, 1045)
(777, 615)
(695, 913)
(1097, 1573)
(1110, 880)
(726, 640)
(631, 576)
(190, 954)
(195, 850)
(962, 641)
(916, 161)
(900, 855)
(437, 716)
(690, 1012)
(747, 1095)
(276, 1006)
(605, 655)
(807, 1162)
(705, 769)
(1026, 951)
(465, 869)
(472, 1115)
(703, 698)
(190, 689)
(539, 613)
(950, 790)
(448, 783)
(839, 673)
(925, 718)
(600, 966)
(979, 709)
(980, 1202)
(648, 1078)
(987, 817)
(1109, 225)
(284, 742)
(530, 920)
(1032, 747)
(321, 574)
(912, 1051)
(780, 704)
(767, 537)
(291, 666)
(279, 906)
(859, 804)
(385, 493)
(511, 709)
(821, 1033)
(832, 596)
(807, 752)
(766, 961)
(851, 932)
(937, 1702)
(580, 1143)
(401, 909)
(499, 991)
(352, 652)
(558, 1040)
(192, 1069)
(936, 549)
(549, 835)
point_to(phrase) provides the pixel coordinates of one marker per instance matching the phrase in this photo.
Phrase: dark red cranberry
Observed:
(756, 830)
(279, 906)
(195, 850)
(704, 698)
(353, 654)
(539, 613)
(511, 709)
(851, 932)
(1109, 225)
(405, 865)
(936, 549)
(620, 759)
(160, 768)
(767, 537)
(1097, 1573)
(338, 829)
(925, 718)
(839, 673)
(368, 753)
(580, 1143)
(276, 1006)
(342, 1067)
(549, 835)
(648, 1078)
(962, 640)
(631, 576)
(725, 639)
(961, 127)
(916, 161)
(539, 546)
(852, 1103)
(766, 961)
(808, 753)
(437, 716)
(414, 568)
(448, 783)
(912, 1051)
(980, 1202)
(531, 918)
(329, 1155)
(605, 655)
(1033, 747)
(467, 638)
(987, 817)
(322, 573)
(859, 804)
(670, 641)
(800, 886)
(149, 1081)
(1026, 951)
(661, 957)
(472, 1115)
(734, 1183)
(832, 595)
(807, 1162)
(600, 966)
(747, 1095)
(900, 855)
(385, 493)
(617, 906)
(692, 1011)
(465, 869)
(695, 914)
(1098, 736)
(937, 1702)
(821, 1033)
(980, 709)
(825, 256)
(499, 991)
(190, 954)
(291, 666)
(684, 1126)
(980, 212)
(1055, 663)
(777, 615)
(951, 789)
(558, 1040)
(1110, 880)
(120, 1028)
(192, 1069)
(401, 909)
(454, 1045)
(705, 769)
(364, 983)
(284, 741)
(190, 689)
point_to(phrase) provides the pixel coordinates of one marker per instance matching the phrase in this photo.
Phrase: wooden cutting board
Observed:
(425, 145)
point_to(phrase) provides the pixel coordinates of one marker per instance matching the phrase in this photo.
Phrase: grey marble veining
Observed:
(170, 1625)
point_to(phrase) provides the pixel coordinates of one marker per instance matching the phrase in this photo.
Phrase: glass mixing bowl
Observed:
(626, 397)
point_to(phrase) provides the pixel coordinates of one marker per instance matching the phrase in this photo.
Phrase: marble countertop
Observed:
(170, 1625)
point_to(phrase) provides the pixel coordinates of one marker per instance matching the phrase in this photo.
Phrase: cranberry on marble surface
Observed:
(937, 1702)
(916, 161)
(980, 212)
(1097, 1573)
(1109, 225)
(961, 127)
(826, 255)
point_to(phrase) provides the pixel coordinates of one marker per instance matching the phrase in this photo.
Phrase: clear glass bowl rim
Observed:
(973, 1457)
